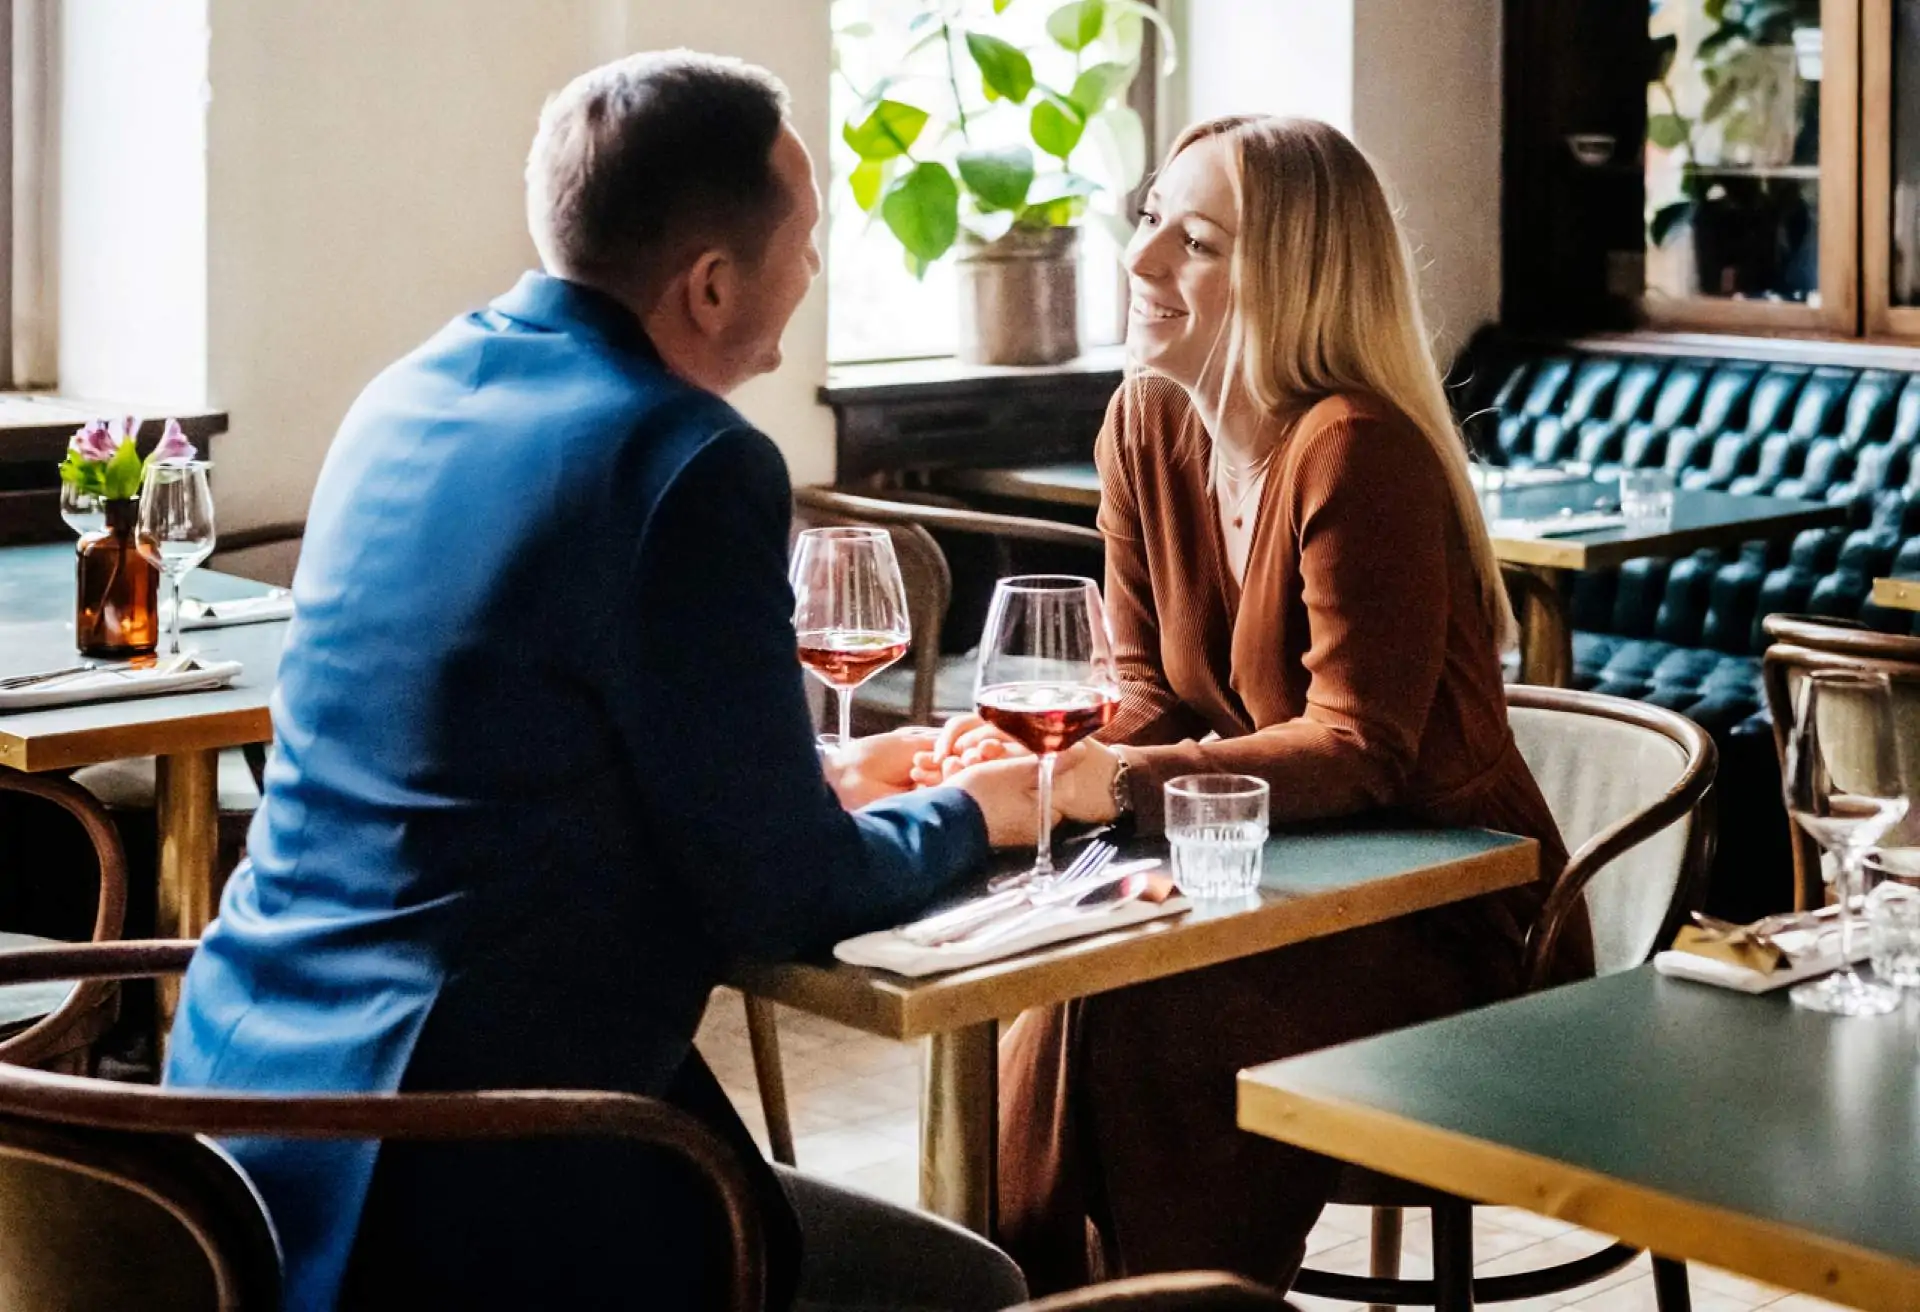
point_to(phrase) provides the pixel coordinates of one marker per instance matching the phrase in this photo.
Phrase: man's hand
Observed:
(868, 769)
(964, 741)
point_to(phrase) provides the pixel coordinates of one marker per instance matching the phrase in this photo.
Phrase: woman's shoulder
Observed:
(1149, 410)
(1357, 427)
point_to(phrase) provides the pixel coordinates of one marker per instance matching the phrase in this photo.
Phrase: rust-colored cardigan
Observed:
(1356, 671)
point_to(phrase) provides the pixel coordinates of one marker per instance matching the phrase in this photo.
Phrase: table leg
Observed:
(186, 802)
(959, 1122)
(1546, 638)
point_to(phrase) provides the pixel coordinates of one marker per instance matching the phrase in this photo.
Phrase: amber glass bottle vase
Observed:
(117, 590)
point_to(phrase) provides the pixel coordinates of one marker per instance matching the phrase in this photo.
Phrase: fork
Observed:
(937, 928)
(1089, 873)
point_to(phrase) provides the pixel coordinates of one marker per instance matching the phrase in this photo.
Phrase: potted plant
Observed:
(1740, 201)
(977, 145)
(116, 585)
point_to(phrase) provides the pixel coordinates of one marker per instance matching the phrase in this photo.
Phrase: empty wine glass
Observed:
(84, 511)
(849, 609)
(1046, 677)
(1846, 786)
(176, 524)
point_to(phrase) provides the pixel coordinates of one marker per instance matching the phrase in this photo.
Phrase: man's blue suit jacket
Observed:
(542, 764)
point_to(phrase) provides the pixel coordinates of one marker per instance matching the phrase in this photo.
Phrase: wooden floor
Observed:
(855, 1109)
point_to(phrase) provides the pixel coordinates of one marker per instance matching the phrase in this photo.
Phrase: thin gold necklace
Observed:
(1253, 474)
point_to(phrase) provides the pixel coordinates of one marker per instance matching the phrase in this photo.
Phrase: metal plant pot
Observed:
(1020, 297)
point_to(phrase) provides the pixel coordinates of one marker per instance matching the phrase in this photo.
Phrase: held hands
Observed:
(1082, 775)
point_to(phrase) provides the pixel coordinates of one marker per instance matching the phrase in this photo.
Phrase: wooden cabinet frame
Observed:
(1883, 319)
(1838, 313)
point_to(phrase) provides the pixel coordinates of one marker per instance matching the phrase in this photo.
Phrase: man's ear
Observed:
(711, 292)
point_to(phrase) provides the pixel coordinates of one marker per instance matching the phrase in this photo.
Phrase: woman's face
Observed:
(1178, 264)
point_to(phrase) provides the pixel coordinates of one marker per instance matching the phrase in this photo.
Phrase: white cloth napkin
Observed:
(1809, 953)
(888, 950)
(117, 682)
(198, 614)
(1557, 526)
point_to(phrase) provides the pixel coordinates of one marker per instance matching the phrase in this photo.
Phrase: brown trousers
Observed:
(1119, 1154)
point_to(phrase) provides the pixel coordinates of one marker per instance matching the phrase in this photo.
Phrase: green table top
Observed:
(1699, 1122)
(36, 633)
(1312, 884)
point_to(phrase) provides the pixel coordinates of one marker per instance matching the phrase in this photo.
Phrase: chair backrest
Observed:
(267, 553)
(1626, 783)
(79, 1150)
(58, 1032)
(923, 567)
(1801, 645)
(97, 1221)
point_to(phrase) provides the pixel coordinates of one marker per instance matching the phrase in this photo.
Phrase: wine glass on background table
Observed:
(84, 511)
(1846, 786)
(1046, 677)
(176, 524)
(849, 609)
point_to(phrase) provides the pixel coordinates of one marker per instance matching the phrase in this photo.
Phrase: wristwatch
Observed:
(1122, 790)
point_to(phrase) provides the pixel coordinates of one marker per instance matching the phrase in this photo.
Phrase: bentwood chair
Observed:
(1802, 644)
(1180, 1291)
(55, 1023)
(112, 1196)
(1630, 787)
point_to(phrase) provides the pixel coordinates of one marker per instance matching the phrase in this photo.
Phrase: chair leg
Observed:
(1670, 1292)
(1386, 1248)
(763, 1036)
(1453, 1257)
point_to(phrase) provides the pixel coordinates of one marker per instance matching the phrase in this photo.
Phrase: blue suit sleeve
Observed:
(713, 708)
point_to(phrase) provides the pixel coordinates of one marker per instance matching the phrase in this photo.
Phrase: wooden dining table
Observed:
(184, 731)
(1312, 885)
(1697, 1122)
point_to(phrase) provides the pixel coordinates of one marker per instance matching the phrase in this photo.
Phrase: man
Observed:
(542, 760)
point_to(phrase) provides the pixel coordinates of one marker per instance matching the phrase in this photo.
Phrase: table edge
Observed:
(1493, 1173)
(884, 1004)
(1572, 553)
(35, 753)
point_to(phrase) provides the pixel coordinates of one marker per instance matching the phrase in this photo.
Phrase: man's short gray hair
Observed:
(640, 163)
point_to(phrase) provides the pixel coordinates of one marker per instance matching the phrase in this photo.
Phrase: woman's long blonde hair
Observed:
(1324, 302)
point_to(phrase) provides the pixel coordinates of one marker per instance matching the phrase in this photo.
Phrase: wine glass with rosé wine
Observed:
(1046, 677)
(849, 611)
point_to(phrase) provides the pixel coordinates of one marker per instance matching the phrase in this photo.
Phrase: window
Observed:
(876, 308)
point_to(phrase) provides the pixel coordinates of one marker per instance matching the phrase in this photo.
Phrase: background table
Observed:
(1312, 885)
(1897, 593)
(1693, 1121)
(184, 731)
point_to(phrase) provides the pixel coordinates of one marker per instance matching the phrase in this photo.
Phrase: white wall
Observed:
(1417, 86)
(133, 278)
(1270, 57)
(1426, 108)
(363, 187)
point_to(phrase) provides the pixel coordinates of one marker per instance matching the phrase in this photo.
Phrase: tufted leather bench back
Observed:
(1686, 633)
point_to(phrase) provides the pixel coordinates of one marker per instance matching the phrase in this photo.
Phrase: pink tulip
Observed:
(126, 430)
(174, 444)
(94, 442)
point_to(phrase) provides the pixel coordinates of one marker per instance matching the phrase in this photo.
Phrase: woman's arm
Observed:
(1150, 711)
(1371, 508)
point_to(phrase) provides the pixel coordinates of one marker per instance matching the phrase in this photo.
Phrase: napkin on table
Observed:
(118, 682)
(198, 614)
(1740, 960)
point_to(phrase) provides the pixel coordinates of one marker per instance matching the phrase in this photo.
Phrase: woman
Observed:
(1301, 588)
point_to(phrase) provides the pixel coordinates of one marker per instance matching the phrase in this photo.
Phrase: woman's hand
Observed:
(868, 769)
(964, 741)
